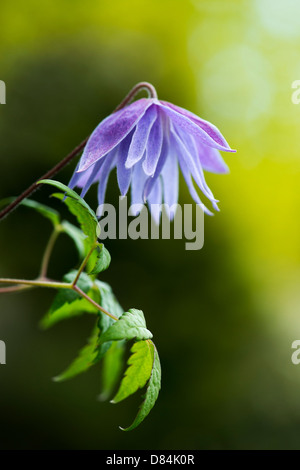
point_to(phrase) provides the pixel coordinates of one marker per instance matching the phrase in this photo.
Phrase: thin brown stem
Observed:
(47, 175)
(6, 290)
(83, 294)
(135, 90)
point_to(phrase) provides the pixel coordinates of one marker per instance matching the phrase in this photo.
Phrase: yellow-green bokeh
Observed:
(223, 318)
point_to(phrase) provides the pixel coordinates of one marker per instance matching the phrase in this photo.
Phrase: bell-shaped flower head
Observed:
(148, 141)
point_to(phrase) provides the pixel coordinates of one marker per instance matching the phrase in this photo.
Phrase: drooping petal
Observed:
(140, 137)
(155, 200)
(209, 128)
(154, 145)
(103, 175)
(211, 160)
(79, 179)
(93, 176)
(193, 162)
(186, 151)
(111, 131)
(170, 176)
(187, 176)
(160, 165)
(137, 185)
(207, 136)
(123, 174)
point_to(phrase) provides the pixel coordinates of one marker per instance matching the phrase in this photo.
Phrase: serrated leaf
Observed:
(109, 302)
(85, 215)
(86, 222)
(44, 210)
(112, 368)
(93, 352)
(102, 261)
(151, 394)
(131, 325)
(76, 235)
(86, 358)
(139, 371)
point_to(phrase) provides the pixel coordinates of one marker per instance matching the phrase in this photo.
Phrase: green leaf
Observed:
(85, 215)
(76, 235)
(69, 310)
(139, 371)
(86, 222)
(109, 302)
(100, 258)
(86, 358)
(151, 394)
(102, 261)
(112, 368)
(93, 352)
(131, 325)
(46, 211)
(68, 296)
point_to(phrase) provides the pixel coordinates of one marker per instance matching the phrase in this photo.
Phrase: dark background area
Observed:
(224, 317)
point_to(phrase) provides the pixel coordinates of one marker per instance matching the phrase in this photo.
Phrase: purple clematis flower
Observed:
(146, 141)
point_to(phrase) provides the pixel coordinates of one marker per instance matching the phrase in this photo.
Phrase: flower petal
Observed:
(162, 159)
(93, 176)
(154, 145)
(79, 179)
(170, 177)
(187, 176)
(111, 131)
(137, 185)
(123, 174)
(103, 175)
(155, 200)
(186, 150)
(140, 137)
(206, 133)
(193, 162)
(211, 160)
(209, 128)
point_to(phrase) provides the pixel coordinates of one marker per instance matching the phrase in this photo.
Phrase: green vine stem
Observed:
(43, 281)
(48, 251)
(55, 285)
(83, 265)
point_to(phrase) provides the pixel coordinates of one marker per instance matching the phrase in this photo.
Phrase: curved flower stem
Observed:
(48, 251)
(136, 89)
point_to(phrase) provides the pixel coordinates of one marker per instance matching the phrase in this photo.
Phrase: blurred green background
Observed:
(223, 317)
